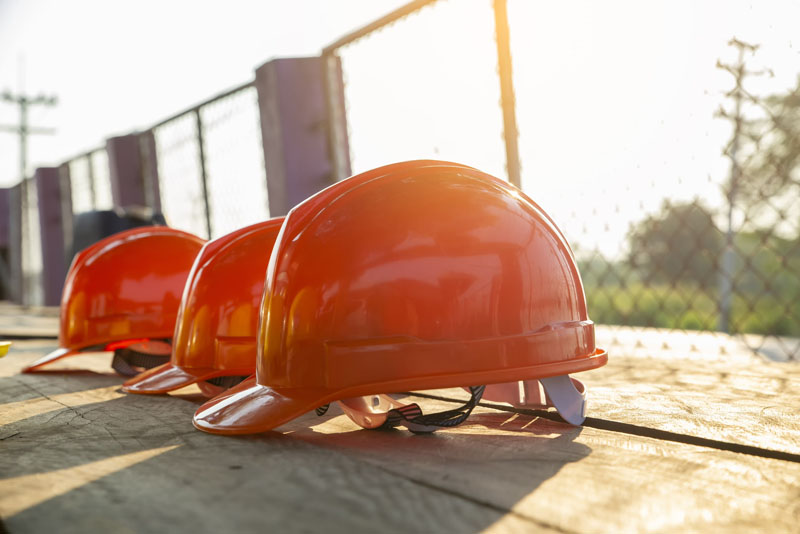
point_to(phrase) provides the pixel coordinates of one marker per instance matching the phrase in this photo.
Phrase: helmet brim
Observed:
(57, 354)
(250, 408)
(166, 378)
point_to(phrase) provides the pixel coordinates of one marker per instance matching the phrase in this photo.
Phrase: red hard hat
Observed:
(122, 293)
(215, 336)
(417, 275)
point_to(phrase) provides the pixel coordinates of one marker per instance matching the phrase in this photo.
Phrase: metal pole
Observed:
(23, 129)
(728, 255)
(92, 189)
(337, 121)
(729, 252)
(394, 16)
(23, 137)
(510, 132)
(203, 174)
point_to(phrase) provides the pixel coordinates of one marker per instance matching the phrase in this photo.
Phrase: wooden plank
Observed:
(14, 322)
(78, 455)
(753, 403)
(83, 457)
(580, 479)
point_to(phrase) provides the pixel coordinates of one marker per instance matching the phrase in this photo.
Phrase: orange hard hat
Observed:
(417, 275)
(215, 336)
(122, 294)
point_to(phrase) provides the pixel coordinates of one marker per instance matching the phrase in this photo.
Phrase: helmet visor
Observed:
(166, 378)
(49, 358)
(251, 408)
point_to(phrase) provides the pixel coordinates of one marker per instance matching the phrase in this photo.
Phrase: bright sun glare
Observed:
(615, 100)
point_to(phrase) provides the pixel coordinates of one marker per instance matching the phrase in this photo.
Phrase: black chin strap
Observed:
(411, 416)
(226, 382)
(126, 361)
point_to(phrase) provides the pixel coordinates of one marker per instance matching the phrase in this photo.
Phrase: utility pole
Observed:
(23, 129)
(738, 94)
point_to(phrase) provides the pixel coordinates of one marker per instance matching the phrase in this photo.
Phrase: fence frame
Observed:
(335, 89)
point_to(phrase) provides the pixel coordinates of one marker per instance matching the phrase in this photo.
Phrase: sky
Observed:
(122, 65)
(615, 99)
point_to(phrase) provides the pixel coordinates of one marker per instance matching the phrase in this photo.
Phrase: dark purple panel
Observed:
(125, 170)
(291, 95)
(48, 188)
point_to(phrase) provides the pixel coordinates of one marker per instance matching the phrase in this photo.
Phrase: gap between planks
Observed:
(634, 430)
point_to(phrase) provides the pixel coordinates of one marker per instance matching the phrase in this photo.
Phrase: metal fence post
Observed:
(92, 188)
(294, 118)
(65, 187)
(510, 132)
(149, 155)
(49, 193)
(337, 117)
(125, 170)
(201, 151)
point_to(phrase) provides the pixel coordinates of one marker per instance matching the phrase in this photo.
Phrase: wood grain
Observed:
(77, 456)
(580, 479)
(753, 403)
(18, 323)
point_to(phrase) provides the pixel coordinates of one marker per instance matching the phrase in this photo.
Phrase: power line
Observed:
(23, 129)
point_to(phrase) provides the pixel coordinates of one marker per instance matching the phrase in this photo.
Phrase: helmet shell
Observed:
(215, 333)
(424, 274)
(126, 286)
(417, 275)
(218, 315)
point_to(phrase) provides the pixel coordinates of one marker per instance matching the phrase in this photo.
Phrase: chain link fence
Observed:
(685, 224)
(425, 86)
(90, 186)
(210, 174)
(180, 175)
(211, 169)
(684, 240)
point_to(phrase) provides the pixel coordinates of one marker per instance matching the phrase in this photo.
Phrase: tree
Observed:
(773, 168)
(681, 243)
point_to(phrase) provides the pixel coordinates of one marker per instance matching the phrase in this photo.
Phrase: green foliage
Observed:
(671, 277)
(766, 299)
(684, 307)
(681, 243)
(661, 306)
(774, 167)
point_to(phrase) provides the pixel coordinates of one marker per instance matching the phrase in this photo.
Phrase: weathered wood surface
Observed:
(77, 455)
(755, 403)
(752, 403)
(32, 323)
